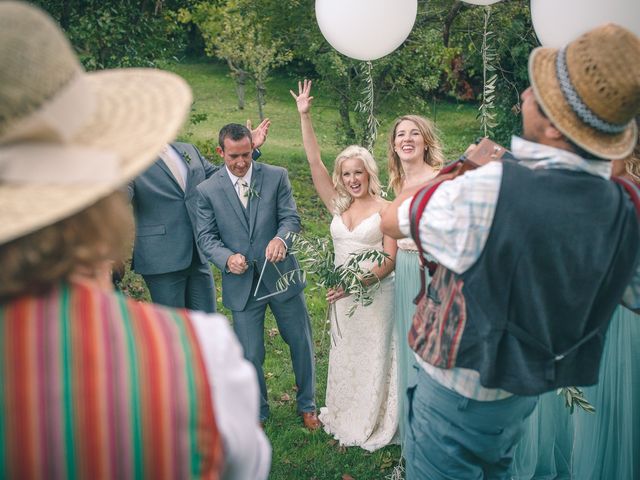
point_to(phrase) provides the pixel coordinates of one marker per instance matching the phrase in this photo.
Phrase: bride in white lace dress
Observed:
(361, 407)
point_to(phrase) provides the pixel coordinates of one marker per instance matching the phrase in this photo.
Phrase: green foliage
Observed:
(316, 257)
(119, 33)
(574, 397)
(367, 106)
(489, 77)
(133, 285)
(512, 41)
(235, 31)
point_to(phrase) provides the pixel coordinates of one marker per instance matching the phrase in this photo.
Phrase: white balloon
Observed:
(481, 2)
(366, 29)
(557, 22)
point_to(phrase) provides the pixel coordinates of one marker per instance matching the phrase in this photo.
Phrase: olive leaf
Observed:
(316, 256)
(574, 397)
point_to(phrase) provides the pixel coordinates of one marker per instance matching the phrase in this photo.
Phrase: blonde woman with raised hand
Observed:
(361, 402)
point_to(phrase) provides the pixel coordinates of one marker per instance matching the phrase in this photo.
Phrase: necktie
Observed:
(171, 163)
(243, 191)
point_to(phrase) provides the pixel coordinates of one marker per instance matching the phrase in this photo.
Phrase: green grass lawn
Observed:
(297, 453)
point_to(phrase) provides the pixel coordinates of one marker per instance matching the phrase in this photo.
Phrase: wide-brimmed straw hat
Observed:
(590, 89)
(69, 138)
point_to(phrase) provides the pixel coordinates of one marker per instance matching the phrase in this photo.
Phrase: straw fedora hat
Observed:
(67, 137)
(590, 89)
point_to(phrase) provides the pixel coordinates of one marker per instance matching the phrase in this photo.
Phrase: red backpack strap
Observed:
(418, 204)
(632, 189)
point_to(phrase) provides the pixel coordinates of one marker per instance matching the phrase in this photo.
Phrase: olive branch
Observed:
(574, 397)
(251, 192)
(316, 256)
(367, 106)
(489, 56)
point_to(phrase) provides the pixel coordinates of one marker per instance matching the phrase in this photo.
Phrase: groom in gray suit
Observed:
(245, 211)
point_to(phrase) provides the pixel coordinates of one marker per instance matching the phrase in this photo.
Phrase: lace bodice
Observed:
(364, 236)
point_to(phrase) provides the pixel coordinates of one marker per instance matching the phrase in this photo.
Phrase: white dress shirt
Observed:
(247, 452)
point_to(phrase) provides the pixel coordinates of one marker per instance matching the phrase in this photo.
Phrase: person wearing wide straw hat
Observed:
(95, 385)
(535, 256)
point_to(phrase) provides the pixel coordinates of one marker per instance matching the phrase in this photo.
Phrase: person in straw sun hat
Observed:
(95, 385)
(534, 257)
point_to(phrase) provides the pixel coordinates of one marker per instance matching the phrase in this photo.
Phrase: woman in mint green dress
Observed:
(604, 445)
(607, 444)
(414, 156)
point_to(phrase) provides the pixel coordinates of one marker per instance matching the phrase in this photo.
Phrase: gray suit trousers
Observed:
(295, 327)
(190, 288)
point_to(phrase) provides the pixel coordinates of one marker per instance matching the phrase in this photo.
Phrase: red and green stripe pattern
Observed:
(97, 386)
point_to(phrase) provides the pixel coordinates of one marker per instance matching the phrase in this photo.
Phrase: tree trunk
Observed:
(65, 14)
(345, 119)
(261, 91)
(448, 21)
(240, 77)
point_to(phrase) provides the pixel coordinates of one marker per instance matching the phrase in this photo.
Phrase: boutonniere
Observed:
(251, 192)
(187, 157)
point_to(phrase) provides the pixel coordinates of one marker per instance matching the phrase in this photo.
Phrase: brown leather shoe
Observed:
(310, 420)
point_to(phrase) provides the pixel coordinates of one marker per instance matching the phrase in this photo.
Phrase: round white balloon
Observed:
(557, 22)
(366, 29)
(481, 2)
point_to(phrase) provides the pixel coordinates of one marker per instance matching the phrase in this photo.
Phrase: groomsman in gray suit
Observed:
(245, 211)
(164, 199)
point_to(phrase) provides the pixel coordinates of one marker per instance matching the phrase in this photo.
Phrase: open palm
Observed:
(303, 99)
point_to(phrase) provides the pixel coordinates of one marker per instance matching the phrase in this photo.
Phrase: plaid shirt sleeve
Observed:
(455, 224)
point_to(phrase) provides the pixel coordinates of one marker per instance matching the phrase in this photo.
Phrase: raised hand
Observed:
(303, 99)
(259, 135)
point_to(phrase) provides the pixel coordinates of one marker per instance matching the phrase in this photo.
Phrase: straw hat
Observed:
(590, 89)
(67, 137)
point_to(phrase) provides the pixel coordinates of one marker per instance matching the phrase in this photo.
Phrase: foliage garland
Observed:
(367, 106)
(485, 112)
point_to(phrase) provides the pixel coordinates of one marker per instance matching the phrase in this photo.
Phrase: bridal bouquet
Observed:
(316, 256)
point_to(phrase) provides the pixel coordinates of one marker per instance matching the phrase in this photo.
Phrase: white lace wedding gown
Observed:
(362, 395)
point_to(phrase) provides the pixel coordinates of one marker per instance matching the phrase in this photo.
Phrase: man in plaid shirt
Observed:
(542, 255)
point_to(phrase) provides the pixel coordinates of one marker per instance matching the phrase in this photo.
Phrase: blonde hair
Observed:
(632, 162)
(36, 262)
(343, 200)
(433, 155)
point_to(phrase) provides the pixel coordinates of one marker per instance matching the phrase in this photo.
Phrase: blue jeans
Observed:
(456, 438)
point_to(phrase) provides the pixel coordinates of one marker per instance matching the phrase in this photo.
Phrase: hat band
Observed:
(583, 112)
(39, 163)
(59, 118)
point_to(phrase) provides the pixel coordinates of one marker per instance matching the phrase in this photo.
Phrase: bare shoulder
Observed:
(382, 204)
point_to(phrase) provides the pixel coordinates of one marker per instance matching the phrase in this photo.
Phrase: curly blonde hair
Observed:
(343, 200)
(36, 262)
(433, 155)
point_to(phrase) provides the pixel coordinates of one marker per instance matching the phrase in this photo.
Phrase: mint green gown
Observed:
(604, 445)
(407, 287)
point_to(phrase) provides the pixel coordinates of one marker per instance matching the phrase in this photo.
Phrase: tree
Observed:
(233, 31)
(119, 33)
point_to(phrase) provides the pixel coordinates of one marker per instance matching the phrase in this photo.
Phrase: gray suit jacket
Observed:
(165, 215)
(224, 228)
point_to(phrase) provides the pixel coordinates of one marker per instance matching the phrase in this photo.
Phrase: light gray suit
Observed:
(165, 252)
(225, 227)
